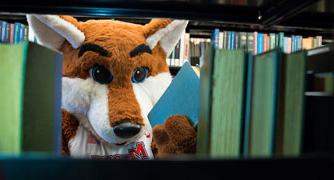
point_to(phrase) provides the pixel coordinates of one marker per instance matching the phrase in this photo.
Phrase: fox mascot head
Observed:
(113, 74)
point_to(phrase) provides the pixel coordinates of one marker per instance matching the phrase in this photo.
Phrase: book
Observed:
(264, 104)
(204, 122)
(180, 98)
(30, 112)
(227, 104)
(248, 105)
(294, 88)
(260, 43)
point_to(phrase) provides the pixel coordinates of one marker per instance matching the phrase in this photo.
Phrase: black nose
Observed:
(126, 130)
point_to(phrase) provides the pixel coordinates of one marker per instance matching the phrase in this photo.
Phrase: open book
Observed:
(180, 98)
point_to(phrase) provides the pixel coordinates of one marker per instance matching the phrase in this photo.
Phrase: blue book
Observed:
(21, 37)
(17, 27)
(232, 40)
(180, 98)
(260, 43)
(3, 31)
(215, 38)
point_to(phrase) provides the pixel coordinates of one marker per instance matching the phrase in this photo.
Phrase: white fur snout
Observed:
(88, 101)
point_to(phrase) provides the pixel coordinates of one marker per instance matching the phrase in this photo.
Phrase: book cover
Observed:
(30, 112)
(204, 122)
(227, 103)
(294, 92)
(264, 104)
(181, 97)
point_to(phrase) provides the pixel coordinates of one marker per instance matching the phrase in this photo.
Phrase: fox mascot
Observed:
(113, 74)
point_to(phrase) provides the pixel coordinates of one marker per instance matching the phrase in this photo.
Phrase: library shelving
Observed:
(309, 17)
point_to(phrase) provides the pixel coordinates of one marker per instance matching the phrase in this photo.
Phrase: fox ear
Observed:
(166, 32)
(53, 30)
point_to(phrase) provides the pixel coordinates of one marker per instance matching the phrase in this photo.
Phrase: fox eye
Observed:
(139, 74)
(100, 74)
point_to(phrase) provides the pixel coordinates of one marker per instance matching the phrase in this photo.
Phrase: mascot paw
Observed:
(175, 136)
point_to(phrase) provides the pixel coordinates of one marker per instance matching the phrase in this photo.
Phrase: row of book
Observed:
(193, 49)
(13, 33)
(180, 54)
(255, 106)
(259, 42)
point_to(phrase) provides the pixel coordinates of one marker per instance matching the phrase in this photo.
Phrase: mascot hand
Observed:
(175, 136)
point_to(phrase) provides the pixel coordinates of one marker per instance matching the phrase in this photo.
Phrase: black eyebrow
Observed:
(93, 47)
(140, 49)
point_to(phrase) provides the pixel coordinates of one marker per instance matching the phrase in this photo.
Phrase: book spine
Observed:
(255, 43)
(229, 40)
(232, 45)
(17, 29)
(236, 40)
(3, 31)
(225, 46)
(221, 37)
(319, 38)
(22, 29)
(293, 43)
(177, 54)
(300, 40)
(276, 40)
(315, 43)
(182, 46)
(12, 33)
(265, 42)
(187, 47)
(260, 43)
(289, 45)
(0, 31)
(215, 38)
(272, 41)
(281, 40)
(243, 40)
(250, 42)
(7, 38)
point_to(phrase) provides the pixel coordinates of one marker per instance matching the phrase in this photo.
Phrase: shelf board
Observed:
(273, 168)
(242, 15)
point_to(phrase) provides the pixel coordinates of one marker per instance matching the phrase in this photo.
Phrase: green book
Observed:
(329, 83)
(294, 103)
(204, 122)
(227, 103)
(264, 104)
(30, 114)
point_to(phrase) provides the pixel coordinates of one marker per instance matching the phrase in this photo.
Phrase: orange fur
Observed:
(69, 126)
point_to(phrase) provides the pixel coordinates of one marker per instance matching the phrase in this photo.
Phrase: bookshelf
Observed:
(268, 15)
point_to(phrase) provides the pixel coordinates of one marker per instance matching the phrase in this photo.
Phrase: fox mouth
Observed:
(121, 144)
